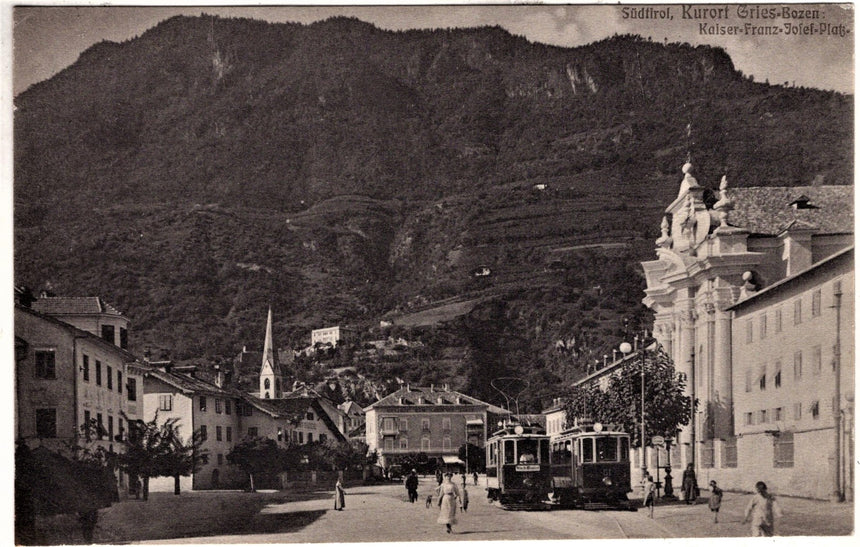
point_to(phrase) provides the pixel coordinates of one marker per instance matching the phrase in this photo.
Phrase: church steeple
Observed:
(271, 380)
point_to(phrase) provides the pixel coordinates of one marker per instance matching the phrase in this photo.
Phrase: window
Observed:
(708, 453)
(762, 416)
(202, 404)
(814, 410)
(762, 378)
(404, 443)
(86, 368)
(98, 372)
(587, 450)
(123, 338)
(798, 411)
(121, 428)
(109, 334)
(730, 452)
(323, 437)
(783, 449)
(748, 419)
(310, 437)
(404, 424)
(816, 360)
(387, 424)
(777, 414)
(220, 459)
(119, 381)
(252, 432)
(777, 321)
(425, 444)
(425, 424)
(777, 374)
(798, 313)
(229, 434)
(217, 406)
(310, 416)
(748, 380)
(280, 434)
(446, 424)
(816, 303)
(762, 326)
(100, 426)
(446, 442)
(749, 329)
(46, 423)
(87, 425)
(267, 384)
(388, 444)
(165, 402)
(227, 406)
(204, 434)
(46, 367)
(218, 432)
(798, 365)
(131, 388)
(110, 428)
(109, 373)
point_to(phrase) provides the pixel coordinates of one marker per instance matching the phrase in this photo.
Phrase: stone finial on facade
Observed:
(724, 204)
(689, 180)
(665, 240)
(749, 287)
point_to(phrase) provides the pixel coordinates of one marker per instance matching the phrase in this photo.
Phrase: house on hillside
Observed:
(432, 420)
(330, 336)
(88, 313)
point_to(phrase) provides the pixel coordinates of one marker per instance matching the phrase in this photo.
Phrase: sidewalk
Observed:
(801, 517)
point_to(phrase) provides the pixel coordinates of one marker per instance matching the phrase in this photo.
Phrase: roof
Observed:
(78, 333)
(767, 210)
(769, 289)
(431, 396)
(351, 406)
(188, 384)
(294, 410)
(73, 305)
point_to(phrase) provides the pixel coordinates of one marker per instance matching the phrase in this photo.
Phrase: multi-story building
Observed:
(329, 335)
(88, 313)
(66, 378)
(353, 416)
(431, 420)
(733, 273)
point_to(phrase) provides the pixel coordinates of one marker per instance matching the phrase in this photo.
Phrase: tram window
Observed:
(509, 451)
(607, 449)
(625, 449)
(544, 451)
(527, 449)
(587, 450)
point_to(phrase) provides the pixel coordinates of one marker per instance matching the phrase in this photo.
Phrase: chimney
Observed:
(219, 376)
(431, 388)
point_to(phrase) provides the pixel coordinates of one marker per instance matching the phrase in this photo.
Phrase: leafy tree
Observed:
(667, 409)
(158, 450)
(256, 455)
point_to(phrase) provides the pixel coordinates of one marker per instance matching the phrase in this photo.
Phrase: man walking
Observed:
(412, 486)
(762, 511)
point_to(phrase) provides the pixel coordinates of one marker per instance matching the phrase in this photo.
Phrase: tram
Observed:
(518, 467)
(591, 467)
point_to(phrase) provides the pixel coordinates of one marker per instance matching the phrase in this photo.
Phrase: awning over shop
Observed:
(453, 460)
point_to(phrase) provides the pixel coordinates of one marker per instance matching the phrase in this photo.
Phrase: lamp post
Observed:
(626, 349)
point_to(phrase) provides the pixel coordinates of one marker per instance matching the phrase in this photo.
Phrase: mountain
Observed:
(212, 167)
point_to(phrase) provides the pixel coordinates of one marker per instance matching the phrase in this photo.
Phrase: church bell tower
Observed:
(271, 379)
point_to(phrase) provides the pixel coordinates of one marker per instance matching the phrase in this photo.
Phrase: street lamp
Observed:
(626, 349)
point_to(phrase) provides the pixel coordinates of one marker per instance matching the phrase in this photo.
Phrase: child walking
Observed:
(715, 500)
(650, 495)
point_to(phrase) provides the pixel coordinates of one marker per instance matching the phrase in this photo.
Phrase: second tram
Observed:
(518, 467)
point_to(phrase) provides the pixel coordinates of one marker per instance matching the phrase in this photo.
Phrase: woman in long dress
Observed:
(449, 500)
(689, 485)
(339, 501)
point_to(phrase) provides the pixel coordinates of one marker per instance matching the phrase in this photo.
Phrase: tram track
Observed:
(624, 534)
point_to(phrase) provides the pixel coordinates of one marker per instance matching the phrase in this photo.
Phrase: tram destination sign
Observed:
(528, 467)
(657, 440)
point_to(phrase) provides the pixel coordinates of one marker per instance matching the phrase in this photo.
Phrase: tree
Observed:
(474, 456)
(667, 408)
(158, 450)
(256, 455)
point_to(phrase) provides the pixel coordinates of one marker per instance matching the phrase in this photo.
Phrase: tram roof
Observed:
(592, 429)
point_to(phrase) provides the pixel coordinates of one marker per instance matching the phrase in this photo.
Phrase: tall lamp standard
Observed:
(626, 349)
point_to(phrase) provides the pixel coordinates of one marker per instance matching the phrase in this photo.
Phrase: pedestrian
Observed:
(689, 485)
(449, 499)
(762, 512)
(465, 505)
(412, 486)
(463, 478)
(644, 482)
(650, 495)
(715, 500)
(438, 476)
(339, 496)
(475, 477)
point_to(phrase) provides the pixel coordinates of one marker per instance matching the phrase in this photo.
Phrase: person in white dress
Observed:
(449, 501)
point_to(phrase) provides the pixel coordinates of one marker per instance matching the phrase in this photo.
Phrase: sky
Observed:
(47, 39)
